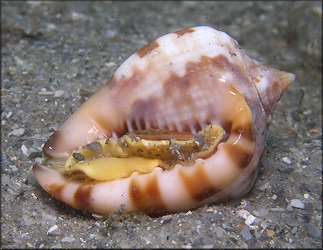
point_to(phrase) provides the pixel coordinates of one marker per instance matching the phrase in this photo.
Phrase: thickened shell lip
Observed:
(51, 142)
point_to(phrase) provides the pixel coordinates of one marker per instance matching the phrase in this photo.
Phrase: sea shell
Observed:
(186, 119)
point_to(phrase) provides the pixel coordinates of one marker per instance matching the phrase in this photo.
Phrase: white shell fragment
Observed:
(297, 203)
(52, 229)
(174, 91)
(287, 160)
(250, 219)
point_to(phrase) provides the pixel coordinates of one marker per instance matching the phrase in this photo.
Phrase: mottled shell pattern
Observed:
(181, 124)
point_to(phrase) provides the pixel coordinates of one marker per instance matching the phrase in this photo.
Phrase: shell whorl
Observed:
(182, 81)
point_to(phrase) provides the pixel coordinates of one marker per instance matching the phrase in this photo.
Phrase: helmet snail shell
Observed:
(196, 109)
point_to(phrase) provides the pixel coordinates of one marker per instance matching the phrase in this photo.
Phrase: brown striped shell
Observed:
(163, 99)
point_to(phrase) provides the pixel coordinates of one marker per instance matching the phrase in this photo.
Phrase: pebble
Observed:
(264, 187)
(285, 169)
(29, 244)
(270, 233)
(32, 150)
(210, 210)
(289, 208)
(34, 155)
(52, 229)
(27, 220)
(51, 27)
(277, 209)
(166, 218)
(13, 168)
(297, 203)
(12, 71)
(256, 213)
(97, 216)
(250, 219)
(241, 244)
(274, 197)
(5, 179)
(263, 225)
(243, 203)
(245, 233)
(59, 93)
(124, 245)
(292, 222)
(189, 212)
(57, 246)
(307, 196)
(45, 93)
(8, 115)
(294, 231)
(24, 150)
(17, 240)
(85, 92)
(95, 147)
(78, 156)
(111, 33)
(17, 132)
(68, 239)
(243, 213)
(49, 217)
(19, 61)
(313, 231)
(207, 246)
(287, 160)
(263, 212)
(257, 234)
(219, 232)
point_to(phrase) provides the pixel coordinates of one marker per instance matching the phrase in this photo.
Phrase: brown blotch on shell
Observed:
(198, 184)
(147, 198)
(240, 156)
(183, 32)
(56, 190)
(205, 65)
(147, 49)
(82, 196)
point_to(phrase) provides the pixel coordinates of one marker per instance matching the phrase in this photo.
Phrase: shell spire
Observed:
(270, 83)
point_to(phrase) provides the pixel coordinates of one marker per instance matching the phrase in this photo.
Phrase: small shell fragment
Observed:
(95, 147)
(78, 156)
(297, 203)
(287, 160)
(52, 229)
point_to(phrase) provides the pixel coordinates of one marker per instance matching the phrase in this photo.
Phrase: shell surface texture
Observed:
(181, 123)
